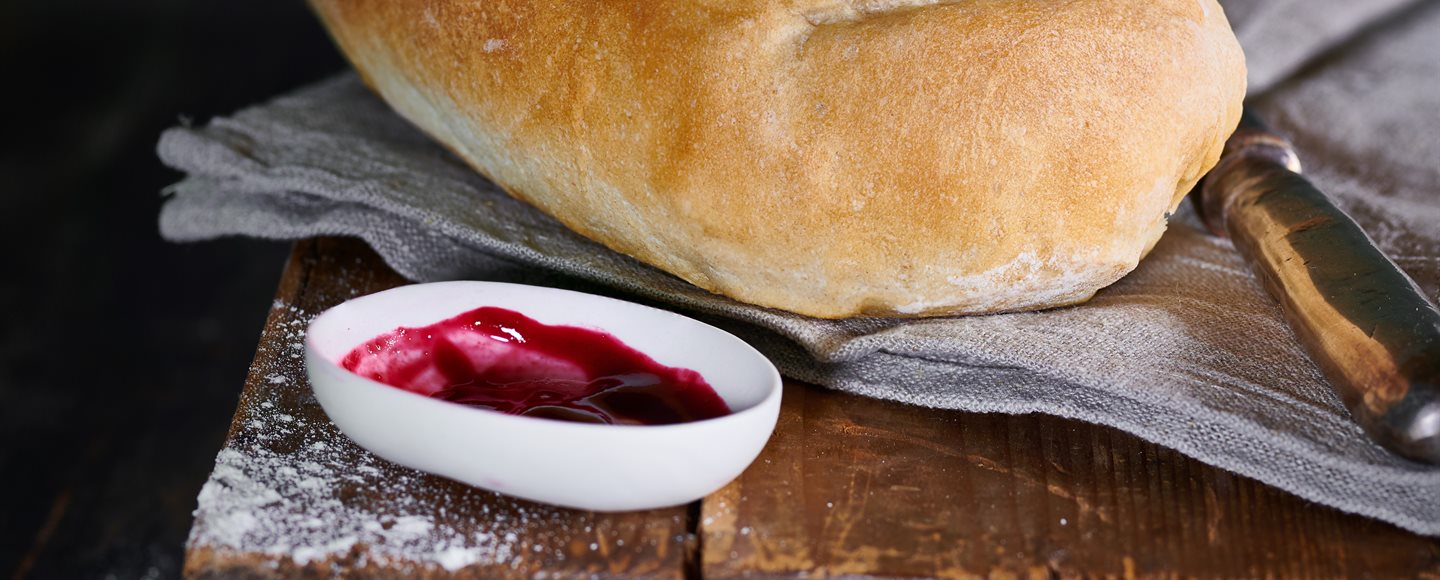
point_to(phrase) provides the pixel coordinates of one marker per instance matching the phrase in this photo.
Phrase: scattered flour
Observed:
(286, 488)
(453, 558)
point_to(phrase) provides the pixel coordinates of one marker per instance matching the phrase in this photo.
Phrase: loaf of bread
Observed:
(828, 157)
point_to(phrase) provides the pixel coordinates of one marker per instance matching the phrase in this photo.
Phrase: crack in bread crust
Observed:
(837, 12)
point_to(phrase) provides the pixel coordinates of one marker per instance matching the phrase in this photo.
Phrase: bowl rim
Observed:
(774, 381)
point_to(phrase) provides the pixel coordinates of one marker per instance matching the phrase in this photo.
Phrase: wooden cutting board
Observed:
(847, 485)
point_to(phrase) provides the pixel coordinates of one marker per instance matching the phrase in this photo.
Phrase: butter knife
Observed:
(1367, 325)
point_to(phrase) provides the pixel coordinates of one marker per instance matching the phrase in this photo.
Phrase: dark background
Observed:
(121, 355)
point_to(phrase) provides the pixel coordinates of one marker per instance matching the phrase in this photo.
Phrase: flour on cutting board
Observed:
(286, 488)
(263, 501)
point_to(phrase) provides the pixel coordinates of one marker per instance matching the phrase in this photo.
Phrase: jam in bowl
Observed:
(551, 395)
(499, 359)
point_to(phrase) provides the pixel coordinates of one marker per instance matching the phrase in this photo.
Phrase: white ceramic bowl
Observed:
(579, 465)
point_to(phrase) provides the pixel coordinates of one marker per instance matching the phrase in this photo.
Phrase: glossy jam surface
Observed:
(502, 360)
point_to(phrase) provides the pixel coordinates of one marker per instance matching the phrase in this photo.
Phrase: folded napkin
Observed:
(1187, 351)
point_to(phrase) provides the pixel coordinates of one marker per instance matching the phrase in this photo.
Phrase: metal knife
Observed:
(1367, 325)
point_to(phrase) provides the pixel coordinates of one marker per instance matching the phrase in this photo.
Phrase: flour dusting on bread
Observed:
(828, 157)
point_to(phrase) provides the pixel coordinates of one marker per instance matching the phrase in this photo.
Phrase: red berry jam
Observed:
(502, 360)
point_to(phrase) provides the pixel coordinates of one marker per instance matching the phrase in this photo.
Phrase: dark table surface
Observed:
(121, 356)
(846, 485)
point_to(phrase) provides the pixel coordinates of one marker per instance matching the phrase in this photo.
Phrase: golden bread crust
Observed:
(825, 157)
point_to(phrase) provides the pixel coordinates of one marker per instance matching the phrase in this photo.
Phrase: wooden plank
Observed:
(847, 486)
(856, 486)
(290, 495)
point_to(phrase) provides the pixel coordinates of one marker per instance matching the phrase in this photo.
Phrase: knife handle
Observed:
(1366, 324)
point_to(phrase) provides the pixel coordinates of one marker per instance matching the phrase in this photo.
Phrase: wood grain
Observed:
(529, 538)
(852, 486)
(1363, 320)
(856, 486)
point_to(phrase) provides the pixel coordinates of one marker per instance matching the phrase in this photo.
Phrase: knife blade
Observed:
(1366, 324)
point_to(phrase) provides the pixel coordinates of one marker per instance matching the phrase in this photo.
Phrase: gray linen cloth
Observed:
(1187, 351)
